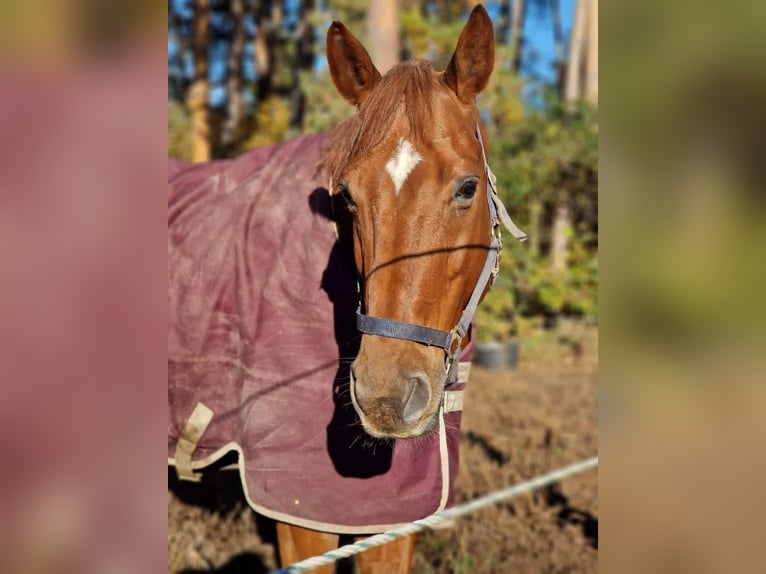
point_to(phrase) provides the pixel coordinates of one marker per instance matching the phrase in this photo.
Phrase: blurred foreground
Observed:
(683, 319)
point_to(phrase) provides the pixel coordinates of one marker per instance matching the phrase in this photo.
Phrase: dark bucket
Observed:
(511, 354)
(489, 356)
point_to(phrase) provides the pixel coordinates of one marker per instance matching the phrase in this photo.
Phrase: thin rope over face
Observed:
(451, 341)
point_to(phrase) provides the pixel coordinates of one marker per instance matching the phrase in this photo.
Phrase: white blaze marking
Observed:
(402, 163)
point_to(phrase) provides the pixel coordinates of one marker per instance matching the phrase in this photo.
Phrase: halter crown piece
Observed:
(447, 339)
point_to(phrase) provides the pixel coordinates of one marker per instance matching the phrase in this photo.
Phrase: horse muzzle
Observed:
(396, 394)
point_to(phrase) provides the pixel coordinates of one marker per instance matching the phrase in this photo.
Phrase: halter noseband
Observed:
(446, 339)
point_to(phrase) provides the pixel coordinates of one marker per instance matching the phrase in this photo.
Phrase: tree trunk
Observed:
(304, 62)
(573, 85)
(558, 41)
(559, 233)
(562, 215)
(236, 103)
(198, 93)
(505, 22)
(591, 62)
(517, 33)
(383, 23)
(274, 36)
(176, 85)
(535, 219)
(261, 53)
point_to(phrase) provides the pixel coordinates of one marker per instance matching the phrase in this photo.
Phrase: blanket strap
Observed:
(190, 435)
(453, 400)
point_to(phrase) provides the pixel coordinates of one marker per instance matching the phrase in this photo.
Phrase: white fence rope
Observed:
(439, 518)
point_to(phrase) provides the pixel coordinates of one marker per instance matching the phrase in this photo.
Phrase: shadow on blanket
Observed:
(354, 453)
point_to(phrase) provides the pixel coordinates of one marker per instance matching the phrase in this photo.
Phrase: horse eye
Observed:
(467, 190)
(343, 190)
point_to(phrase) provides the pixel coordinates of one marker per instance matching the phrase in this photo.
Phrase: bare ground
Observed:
(516, 425)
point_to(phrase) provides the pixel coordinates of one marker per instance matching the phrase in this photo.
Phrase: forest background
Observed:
(244, 73)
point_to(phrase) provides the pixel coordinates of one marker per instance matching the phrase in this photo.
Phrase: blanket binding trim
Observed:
(453, 402)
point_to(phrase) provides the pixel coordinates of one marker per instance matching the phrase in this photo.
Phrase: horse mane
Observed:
(408, 85)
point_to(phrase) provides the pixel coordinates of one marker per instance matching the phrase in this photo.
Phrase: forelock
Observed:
(409, 88)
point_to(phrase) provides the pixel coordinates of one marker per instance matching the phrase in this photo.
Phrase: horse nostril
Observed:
(417, 401)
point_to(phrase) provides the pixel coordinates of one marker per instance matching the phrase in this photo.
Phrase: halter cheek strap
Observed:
(446, 339)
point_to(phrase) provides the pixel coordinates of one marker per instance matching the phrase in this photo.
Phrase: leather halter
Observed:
(446, 339)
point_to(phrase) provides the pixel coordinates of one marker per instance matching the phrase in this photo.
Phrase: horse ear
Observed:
(351, 68)
(471, 65)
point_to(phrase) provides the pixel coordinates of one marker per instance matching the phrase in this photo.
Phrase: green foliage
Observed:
(533, 155)
(353, 13)
(327, 109)
(572, 291)
(582, 282)
(179, 131)
(537, 156)
(538, 289)
(501, 98)
(546, 289)
(496, 315)
(433, 36)
(272, 120)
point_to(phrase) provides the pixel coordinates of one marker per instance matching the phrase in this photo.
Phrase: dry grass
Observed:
(516, 425)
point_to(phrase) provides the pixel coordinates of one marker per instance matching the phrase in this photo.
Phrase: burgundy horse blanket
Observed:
(261, 334)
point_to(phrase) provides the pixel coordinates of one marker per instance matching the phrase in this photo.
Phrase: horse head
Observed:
(410, 165)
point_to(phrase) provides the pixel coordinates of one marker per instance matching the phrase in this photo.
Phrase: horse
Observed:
(408, 226)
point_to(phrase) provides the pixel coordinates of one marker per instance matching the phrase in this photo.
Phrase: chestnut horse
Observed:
(262, 298)
(409, 173)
